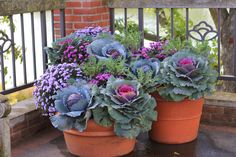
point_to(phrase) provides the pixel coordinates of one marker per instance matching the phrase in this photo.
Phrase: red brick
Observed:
(84, 11)
(103, 10)
(105, 16)
(206, 118)
(230, 110)
(213, 109)
(56, 11)
(82, 25)
(92, 4)
(73, 18)
(224, 119)
(19, 126)
(73, 4)
(91, 18)
(68, 11)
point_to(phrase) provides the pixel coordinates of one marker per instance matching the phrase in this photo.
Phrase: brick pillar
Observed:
(83, 13)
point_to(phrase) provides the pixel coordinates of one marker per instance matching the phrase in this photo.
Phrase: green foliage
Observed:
(93, 66)
(146, 72)
(131, 37)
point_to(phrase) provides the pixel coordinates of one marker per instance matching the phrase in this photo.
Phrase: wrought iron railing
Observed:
(203, 26)
(19, 8)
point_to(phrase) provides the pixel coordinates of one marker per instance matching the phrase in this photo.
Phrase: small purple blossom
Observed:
(156, 50)
(76, 54)
(67, 41)
(90, 31)
(101, 79)
(55, 78)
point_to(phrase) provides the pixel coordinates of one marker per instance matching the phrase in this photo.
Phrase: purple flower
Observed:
(90, 31)
(55, 78)
(76, 53)
(101, 79)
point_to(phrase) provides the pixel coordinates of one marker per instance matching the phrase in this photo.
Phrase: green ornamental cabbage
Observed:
(129, 108)
(186, 75)
(73, 105)
(104, 48)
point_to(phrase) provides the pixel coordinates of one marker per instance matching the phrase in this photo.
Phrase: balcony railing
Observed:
(218, 5)
(38, 13)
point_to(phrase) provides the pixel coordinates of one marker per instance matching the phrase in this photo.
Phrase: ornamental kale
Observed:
(186, 75)
(104, 48)
(131, 110)
(55, 78)
(74, 105)
(146, 71)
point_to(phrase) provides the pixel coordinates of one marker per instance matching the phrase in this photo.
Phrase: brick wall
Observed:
(220, 109)
(83, 13)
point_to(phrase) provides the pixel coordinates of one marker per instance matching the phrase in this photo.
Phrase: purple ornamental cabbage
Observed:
(131, 109)
(186, 75)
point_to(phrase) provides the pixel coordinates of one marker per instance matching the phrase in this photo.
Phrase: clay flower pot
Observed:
(177, 122)
(97, 141)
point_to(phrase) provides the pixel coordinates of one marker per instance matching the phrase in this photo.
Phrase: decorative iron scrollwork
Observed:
(5, 42)
(203, 32)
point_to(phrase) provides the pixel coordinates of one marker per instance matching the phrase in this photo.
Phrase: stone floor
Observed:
(212, 142)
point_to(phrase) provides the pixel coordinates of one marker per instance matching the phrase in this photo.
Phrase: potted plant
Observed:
(185, 75)
(99, 109)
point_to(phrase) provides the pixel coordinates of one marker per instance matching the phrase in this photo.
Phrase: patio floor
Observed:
(212, 142)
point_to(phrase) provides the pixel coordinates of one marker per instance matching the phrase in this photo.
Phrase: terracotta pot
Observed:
(97, 141)
(177, 122)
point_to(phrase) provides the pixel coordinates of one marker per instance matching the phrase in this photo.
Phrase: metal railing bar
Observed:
(157, 24)
(44, 38)
(112, 20)
(62, 22)
(23, 48)
(235, 44)
(187, 22)
(33, 46)
(172, 22)
(141, 24)
(13, 50)
(53, 30)
(219, 39)
(227, 78)
(12, 90)
(2, 71)
(125, 17)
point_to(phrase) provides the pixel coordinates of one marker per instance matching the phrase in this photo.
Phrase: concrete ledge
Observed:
(25, 121)
(220, 109)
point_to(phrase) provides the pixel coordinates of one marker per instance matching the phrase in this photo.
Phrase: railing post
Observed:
(5, 138)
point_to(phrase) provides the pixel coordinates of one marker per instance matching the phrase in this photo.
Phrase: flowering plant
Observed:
(98, 87)
(99, 79)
